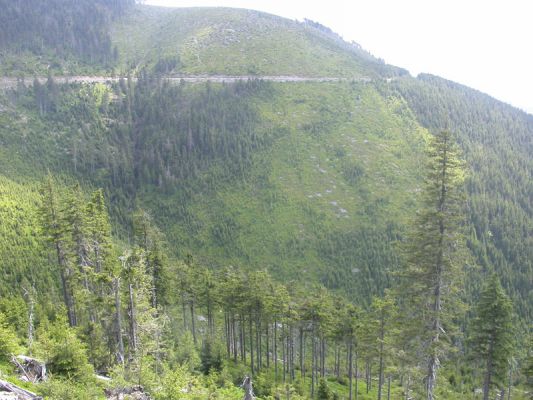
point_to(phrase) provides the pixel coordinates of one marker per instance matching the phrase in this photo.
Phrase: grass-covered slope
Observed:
(237, 42)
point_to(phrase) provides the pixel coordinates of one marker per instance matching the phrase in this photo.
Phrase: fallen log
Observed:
(22, 394)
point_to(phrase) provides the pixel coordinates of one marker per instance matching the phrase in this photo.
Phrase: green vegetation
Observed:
(493, 334)
(237, 42)
(430, 281)
(252, 228)
(58, 36)
(497, 147)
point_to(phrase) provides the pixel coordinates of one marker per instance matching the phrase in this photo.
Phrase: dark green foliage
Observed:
(68, 389)
(9, 342)
(430, 280)
(361, 267)
(493, 333)
(324, 392)
(211, 357)
(497, 147)
(303, 183)
(61, 27)
(63, 352)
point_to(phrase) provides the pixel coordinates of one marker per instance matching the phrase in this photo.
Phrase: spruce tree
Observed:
(492, 334)
(430, 278)
(55, 231)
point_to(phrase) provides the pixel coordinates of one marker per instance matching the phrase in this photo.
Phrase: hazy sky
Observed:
(487, 45)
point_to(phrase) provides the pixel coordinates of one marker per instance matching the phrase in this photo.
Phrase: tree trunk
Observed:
(65, 282)
(356, 377)
(301, 331)
(248, 389)
(284, 356)
(118, 318)
(350, 371)
(291, 347)
(433, 364)
(381, 337)
(367, 377)
(322, 357)
(184, 311)
(510, 383)
(258, 343)
(133, 322)
(488, 373)
(243, 339)
(313, 367)
(251, 344)
(407, 387)
(276, 351)
(234, 335)
(267, 347)
(227, 334)
(193, 323)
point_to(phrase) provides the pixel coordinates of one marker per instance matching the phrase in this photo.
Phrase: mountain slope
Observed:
(237, 42)
(497, 141)
(312, 180)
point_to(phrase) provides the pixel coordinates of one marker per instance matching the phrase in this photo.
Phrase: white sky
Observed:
(487, 45)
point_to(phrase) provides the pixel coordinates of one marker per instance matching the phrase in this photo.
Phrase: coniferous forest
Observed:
(363, 238)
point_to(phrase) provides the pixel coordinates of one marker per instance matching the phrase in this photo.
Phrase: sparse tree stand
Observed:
(492, 334)
(431, 274)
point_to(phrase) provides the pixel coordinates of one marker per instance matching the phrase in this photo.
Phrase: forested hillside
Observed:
(58, 36)
(183, 235)
(498, 142)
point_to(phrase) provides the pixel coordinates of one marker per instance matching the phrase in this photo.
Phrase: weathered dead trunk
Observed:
(22, 394)
(248, 388)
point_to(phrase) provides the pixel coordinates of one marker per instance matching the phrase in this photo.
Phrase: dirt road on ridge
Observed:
(11, 82)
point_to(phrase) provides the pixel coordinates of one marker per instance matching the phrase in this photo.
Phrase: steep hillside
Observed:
(254, 166)
(497, 141)
(237, 42)
(58, 36)
(254, 174)
(249, 221)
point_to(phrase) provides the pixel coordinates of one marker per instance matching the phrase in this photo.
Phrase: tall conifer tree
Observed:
(434, 261)
(55, 230)
(492, 334)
